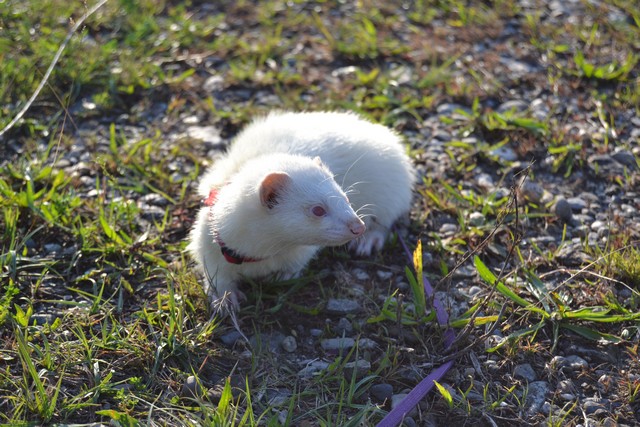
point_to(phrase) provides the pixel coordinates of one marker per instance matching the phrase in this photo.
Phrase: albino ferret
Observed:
(290, 184)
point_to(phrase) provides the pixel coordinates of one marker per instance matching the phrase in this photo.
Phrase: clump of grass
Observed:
(606, 72)
(624, 265)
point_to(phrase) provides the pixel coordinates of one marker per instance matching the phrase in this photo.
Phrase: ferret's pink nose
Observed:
(357, 228)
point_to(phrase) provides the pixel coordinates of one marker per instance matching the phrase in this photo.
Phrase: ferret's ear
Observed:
(272, 187)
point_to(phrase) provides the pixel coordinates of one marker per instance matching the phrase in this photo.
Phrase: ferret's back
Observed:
(312, 134)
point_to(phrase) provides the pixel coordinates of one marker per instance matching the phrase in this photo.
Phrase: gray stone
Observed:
(476, 219)
(344, 326)
(52, 248)
(573, 363)
(366, 344)
(360, 274)
(381, 393)
(154, 199)
(517, 68)
(525, 372)
(361, 368)
(271, 341)
(536, 393)
(448, 229)
(278, 397)
(190, 387)
(566, 386)
(577, 203)
(485, 181)
(409, 422)
(474, 290)
(512, 105)
(230, 338)
(384, 275)
(342, 306)
(604, 163)
(626, 158)
(43, 318)
(595, 406)
(562, 209)
(448, 109)
(207, 134)
(597, 225)
(289, 344)
(151, 212)
(531, 192)
(312, 368)
(213, 83)
(337, 344)
(505, 154)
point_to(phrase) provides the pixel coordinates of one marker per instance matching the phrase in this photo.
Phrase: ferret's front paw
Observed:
(373, 240)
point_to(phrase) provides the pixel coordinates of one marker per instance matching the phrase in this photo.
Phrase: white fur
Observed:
(364, 160)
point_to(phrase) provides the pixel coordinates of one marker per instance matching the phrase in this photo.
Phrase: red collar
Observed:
(229, 254)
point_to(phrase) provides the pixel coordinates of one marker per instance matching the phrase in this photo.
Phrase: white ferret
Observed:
(290, 184)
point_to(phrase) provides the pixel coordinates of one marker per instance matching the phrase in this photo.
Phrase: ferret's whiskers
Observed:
(368, 206)
(352, 188)
(344, 177)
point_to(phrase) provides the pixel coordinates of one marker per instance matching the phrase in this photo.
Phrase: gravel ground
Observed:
(581, 198)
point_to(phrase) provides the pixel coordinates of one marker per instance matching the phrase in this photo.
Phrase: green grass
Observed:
(103, 320)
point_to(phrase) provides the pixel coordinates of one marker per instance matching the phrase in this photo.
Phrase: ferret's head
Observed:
(304, 204)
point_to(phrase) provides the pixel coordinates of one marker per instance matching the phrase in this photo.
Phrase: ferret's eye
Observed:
(318, 211)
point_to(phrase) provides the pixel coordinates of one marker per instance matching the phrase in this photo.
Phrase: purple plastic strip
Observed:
(397, 414)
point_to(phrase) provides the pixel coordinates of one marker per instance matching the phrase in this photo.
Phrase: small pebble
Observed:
(207, 134)
(626, 158)
(505, 153)
(230, 338)
(190, 387)
(360, 274)
(337, 344)
(531, 191)
(565, 386)
(278, 397)
(595, 406)
(381, 393)
(562, 209)
(536, 395)
(485, 181)
(448, 229)
(312, 368)
(344, 326)
(342, 306)
(577, 203)
(52, 248)
(315, 332)
(476, 219)
(366, 344)
(409, 422)
(289, 344)
(360, 366)
(573, 363)
(43, 318)
(384, 275)
(525, 372)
